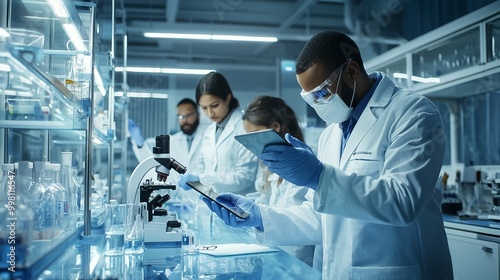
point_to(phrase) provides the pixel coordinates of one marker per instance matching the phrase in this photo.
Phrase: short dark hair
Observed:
(188, 101)
(329, 48)
(215, 84)
(265, 110)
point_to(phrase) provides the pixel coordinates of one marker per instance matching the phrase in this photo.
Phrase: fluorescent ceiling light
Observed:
(417, 78)
(74, 36)
(177, 36)
(186, 71)
(143, 94)
(244, 38)
(210, 37)
(58, 8)
(159, 95)
(165, 70)
(139, 69)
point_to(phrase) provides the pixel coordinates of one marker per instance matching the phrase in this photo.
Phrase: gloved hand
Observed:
(185, 178)
(253, 220)
(135, 133)
(297, 163)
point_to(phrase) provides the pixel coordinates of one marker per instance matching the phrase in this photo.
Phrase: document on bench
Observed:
(232, 249)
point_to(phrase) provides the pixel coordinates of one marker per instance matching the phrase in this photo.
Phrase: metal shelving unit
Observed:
(56, 115)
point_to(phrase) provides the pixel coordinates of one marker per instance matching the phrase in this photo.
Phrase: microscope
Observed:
(160, 223)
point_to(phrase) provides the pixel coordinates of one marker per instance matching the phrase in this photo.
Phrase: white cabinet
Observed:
(473, 258)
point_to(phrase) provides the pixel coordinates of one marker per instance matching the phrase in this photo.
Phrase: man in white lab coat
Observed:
(375, 176)
(185, 145)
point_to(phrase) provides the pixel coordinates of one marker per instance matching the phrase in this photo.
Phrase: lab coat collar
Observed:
(236, 116)
(381, 97)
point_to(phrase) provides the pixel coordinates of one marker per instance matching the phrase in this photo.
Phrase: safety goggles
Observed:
(183, 117)
(322, 93)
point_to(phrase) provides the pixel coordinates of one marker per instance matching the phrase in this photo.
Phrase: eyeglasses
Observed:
(206, 248)
(183, 117)
(322, 93)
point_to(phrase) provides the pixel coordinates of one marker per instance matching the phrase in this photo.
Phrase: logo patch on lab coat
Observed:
(361, 153)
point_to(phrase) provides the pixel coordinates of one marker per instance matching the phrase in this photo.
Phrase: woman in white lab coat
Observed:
(224, 163)
(267, 112)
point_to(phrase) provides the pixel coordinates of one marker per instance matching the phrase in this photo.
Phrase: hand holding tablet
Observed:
(212, 195)
(256, 141)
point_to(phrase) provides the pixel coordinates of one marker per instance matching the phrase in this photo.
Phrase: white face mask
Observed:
(334, 109)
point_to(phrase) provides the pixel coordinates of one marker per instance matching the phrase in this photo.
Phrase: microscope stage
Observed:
(156, 230)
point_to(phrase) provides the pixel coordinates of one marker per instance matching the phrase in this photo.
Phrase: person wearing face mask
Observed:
(185, 145)
(375, 174)
(224, 163)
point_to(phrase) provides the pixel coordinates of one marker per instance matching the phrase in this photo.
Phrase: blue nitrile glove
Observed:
(253, 220)
(186, 178)
(135, 133)
(297, 163)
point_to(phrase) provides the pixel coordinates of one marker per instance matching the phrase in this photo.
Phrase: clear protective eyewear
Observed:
(322, 93)
(206, 247)
(183, 117)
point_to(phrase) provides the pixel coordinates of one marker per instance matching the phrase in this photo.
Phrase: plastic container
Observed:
(23, 109)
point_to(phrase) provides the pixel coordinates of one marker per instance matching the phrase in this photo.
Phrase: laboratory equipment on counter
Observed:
(160, 222)
(475, 194)
(451, 204)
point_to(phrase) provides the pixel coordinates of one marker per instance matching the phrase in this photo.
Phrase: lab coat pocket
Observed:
(409, 272)
(365, 167)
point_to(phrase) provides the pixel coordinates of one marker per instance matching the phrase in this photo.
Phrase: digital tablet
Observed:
(256, 141)
(210, 194)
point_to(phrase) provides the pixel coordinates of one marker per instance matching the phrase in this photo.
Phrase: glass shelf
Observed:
(42, 113)
(396, 71)
(493, 40)
(458, 59)
(34, 98)
(455, 53)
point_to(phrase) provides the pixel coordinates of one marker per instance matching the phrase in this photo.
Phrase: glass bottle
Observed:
(22, 214)
(77, 195)
(43, 204)
(66, 196)
(67, 182)
(478, 190)
(52, 182)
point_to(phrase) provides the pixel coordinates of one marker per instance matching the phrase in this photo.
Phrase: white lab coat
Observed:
(229, 167)
(286, 194)
(381, 210)
(179, 151)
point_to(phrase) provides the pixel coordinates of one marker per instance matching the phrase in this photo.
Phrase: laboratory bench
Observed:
(474, 247)
(85, 259)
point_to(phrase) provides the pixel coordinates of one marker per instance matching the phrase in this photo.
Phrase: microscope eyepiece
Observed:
(162, 144)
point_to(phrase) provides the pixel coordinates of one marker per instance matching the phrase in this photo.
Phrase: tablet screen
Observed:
(212, 195)
(256, 141)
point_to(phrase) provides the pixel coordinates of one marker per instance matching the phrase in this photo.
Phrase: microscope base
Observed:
(156, 230)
